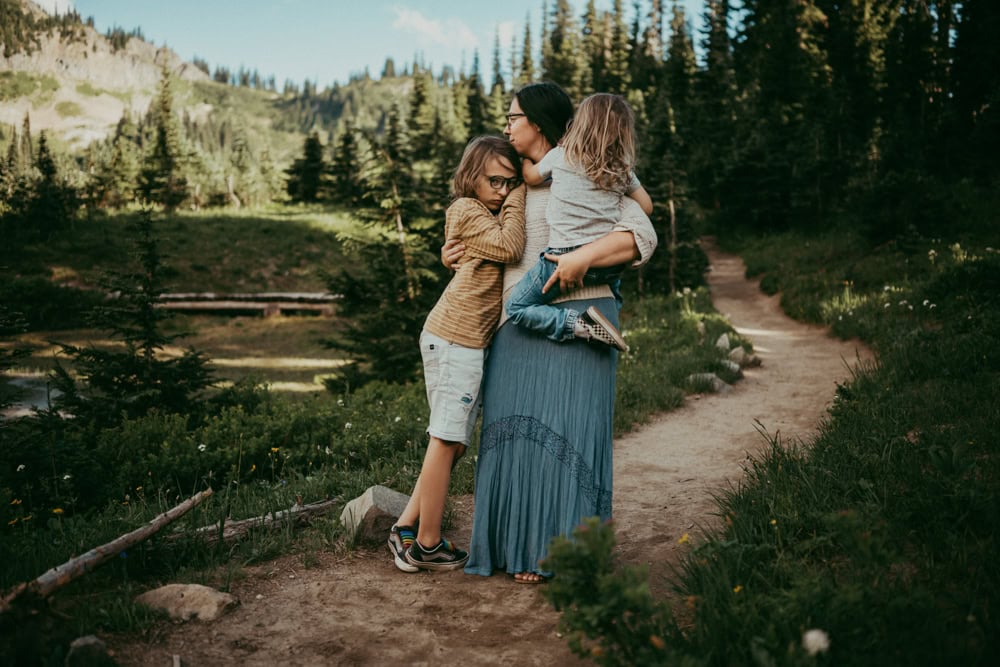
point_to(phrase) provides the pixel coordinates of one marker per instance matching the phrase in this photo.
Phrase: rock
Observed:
(89, 651)
(723, 343)
(732, 367)
(186, 601)
(716, 384)
(370, 516)
(738, 355)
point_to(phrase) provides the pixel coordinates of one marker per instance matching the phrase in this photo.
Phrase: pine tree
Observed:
(477, 104)
(345, 169)
(526, 71)
(595, 47)
(163, 180)
(562, 57)
(618, 58)
(977, 87)
(305, 176)
(53, 202)
(110, 385)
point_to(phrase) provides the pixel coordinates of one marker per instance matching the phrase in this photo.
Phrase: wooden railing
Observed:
(267, 303)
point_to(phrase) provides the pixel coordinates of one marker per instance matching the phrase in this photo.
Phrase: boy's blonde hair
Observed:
(473, 164)
(601, 140)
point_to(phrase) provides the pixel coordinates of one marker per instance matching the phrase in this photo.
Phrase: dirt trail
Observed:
(359, 610)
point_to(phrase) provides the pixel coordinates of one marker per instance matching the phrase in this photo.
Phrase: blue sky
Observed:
(328, 40)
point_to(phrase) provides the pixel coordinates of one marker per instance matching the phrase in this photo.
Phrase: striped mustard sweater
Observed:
(469, 308)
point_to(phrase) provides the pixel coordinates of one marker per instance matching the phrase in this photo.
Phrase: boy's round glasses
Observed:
(511, 117)
(497, 182)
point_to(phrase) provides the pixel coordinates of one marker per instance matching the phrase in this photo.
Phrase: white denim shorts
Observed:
(453, 375)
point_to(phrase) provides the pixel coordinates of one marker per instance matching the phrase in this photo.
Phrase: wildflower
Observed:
(12, 522)
(657, 642)
(347, 426)
(274, 450)
(397, 419)
(737, 588)
(684, 539)
(138, 488)
(253, 467)
(57, 510)
(887, 305)
(926, 301)
(340, 402)
(327, 450)
(774, 522)
(202, 447)
(933, 305)
(20, 467)
(903, 302)
(16, 501)
(815, 641)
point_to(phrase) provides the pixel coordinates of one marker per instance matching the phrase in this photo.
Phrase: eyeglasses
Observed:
(497, 182)
(511, 117)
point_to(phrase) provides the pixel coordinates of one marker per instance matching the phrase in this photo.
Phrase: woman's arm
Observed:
(632, 240)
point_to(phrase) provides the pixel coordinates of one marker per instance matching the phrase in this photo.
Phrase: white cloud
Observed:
(435, 32)
(54, 6)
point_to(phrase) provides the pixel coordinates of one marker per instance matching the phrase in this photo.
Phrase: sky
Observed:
(330, 40)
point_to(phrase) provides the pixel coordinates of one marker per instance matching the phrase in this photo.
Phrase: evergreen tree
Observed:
(53, 201)
(977, 87)
(596, 44)
(480, 121)
(163, 180)
(526, 71)
(421, 121)
(562, 57)
(110, 385)
(345, 169)
(618, 56)
(305, 176)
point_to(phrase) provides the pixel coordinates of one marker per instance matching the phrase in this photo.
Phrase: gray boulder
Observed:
(369, 517)
(183, 602)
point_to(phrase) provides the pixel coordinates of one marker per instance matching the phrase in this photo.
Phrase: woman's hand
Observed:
(451, 253)
(570, 269)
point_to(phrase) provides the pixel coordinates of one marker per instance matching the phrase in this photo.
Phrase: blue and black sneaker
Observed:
(442, 557)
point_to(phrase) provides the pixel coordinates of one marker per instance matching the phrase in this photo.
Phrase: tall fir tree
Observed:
(163, 180)
(526, 70)
(562, 57)
(345, 168)
(305, 181)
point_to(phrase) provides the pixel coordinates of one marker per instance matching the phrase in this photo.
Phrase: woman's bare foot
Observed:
(528, 578)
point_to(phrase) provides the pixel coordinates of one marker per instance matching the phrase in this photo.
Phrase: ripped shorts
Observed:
(453, 375)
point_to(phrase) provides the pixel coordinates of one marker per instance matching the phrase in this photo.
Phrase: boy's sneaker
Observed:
(442, 557)
(602, 330)
(402, 538)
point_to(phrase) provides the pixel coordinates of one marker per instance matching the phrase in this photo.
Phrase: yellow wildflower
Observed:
(737, 588)
(275, 449)
(57, 510)
(657, 642)
(684, 539)
(16, 501)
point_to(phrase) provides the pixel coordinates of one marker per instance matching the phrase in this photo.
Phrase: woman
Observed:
(545, 452)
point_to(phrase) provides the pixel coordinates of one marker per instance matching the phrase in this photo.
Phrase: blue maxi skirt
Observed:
(545, 452)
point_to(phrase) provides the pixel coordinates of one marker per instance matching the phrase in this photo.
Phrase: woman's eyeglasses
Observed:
(497, 182)
(511, 117)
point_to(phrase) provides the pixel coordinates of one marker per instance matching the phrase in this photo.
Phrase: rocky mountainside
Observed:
(79, 87)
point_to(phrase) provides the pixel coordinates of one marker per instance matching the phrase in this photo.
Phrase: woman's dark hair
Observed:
(548, 106)
(473, 164)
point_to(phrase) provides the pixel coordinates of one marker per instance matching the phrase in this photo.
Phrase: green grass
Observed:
(883, 532)
(22, 84)
(67, 109)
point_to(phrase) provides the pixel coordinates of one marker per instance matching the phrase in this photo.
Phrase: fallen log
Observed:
(298, 513)
(76, 567)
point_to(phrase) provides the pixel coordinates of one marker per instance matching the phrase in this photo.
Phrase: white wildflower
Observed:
(202, 447)
(67, 476)
(887, 305)
(347, 425)
(340, 401)
(933, 305)
(903, 302)
(20, 467)
(327, 450)
(815, 641)
(397, 419)
(926, 301)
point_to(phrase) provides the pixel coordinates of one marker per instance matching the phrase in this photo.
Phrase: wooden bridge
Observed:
(266, 303)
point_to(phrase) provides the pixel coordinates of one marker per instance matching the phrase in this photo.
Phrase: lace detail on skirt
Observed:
(530, 429)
